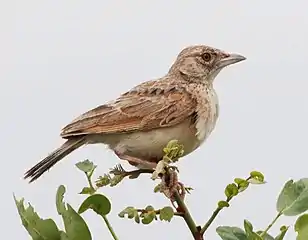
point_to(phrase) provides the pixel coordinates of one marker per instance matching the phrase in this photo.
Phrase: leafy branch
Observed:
(231, 191)
(97, 202)
(292, 201)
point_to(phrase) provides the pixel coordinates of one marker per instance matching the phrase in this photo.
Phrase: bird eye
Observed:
(206, 57)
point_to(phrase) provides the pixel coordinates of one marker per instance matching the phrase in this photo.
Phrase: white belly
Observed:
(149, 145)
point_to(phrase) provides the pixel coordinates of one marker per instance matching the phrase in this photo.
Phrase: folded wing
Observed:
(151, 108)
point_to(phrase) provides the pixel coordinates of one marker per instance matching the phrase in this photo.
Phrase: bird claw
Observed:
(161, 167)
(160, 170)
(170, 185)
(119, 170)
(174, 168)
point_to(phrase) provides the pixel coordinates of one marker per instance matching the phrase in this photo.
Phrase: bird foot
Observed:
(170, 185)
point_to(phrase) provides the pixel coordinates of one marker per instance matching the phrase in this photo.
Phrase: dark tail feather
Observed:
(70, 145)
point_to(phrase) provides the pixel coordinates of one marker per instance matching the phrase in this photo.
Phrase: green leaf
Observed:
(148, 216)
(248, 226)
(147, 219)
(75, 226)
(251, 235)
(258, 176)
(283, 231)
(293, 199)
(149, 208)
(59, 200)
(129, 211)
(38, 229)
(231, 233)
(174, 150)
(103, 180)
(132, 214)
(85, 166)
(137, 218)
(301, 227)
(158, 188)
(239, 180)
(87, 190)
(231, 190)
(64, 236)
(241, 183)
(266, 236)
(116, 180)
(222, 204)
(255, 181)
(98, 203)
(166, 214)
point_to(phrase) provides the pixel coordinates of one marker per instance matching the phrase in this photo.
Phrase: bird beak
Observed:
(230, 59)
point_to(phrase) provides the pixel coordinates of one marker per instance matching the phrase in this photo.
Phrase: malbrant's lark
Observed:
(181, 105)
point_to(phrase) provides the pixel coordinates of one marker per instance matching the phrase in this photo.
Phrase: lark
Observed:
(136, 126)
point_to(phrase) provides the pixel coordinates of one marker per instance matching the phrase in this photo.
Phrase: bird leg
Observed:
(170, 182)
(119, 170)
(136, 161)
(135, 173)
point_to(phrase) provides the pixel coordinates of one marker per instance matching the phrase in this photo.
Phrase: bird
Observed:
(137, 125)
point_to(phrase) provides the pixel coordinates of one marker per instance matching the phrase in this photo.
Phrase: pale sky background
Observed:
(60, 58)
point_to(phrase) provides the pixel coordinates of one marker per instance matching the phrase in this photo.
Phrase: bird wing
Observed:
(148, 106)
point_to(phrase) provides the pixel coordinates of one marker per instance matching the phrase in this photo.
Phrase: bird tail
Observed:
(70, 145)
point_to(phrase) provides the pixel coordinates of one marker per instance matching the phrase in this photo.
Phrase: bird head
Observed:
(203, 63)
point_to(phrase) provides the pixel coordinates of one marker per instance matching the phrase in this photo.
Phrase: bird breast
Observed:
(207, 112)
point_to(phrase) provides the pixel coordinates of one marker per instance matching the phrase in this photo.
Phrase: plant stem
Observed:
(212, 218)
(215, 213)
(186, 214)
(157, 212)
(89, 181)
(110, 228)
(104, 216)
(187, 217)
(271, 224)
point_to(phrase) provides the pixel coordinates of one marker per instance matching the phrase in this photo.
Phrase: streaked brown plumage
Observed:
(182, 105)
